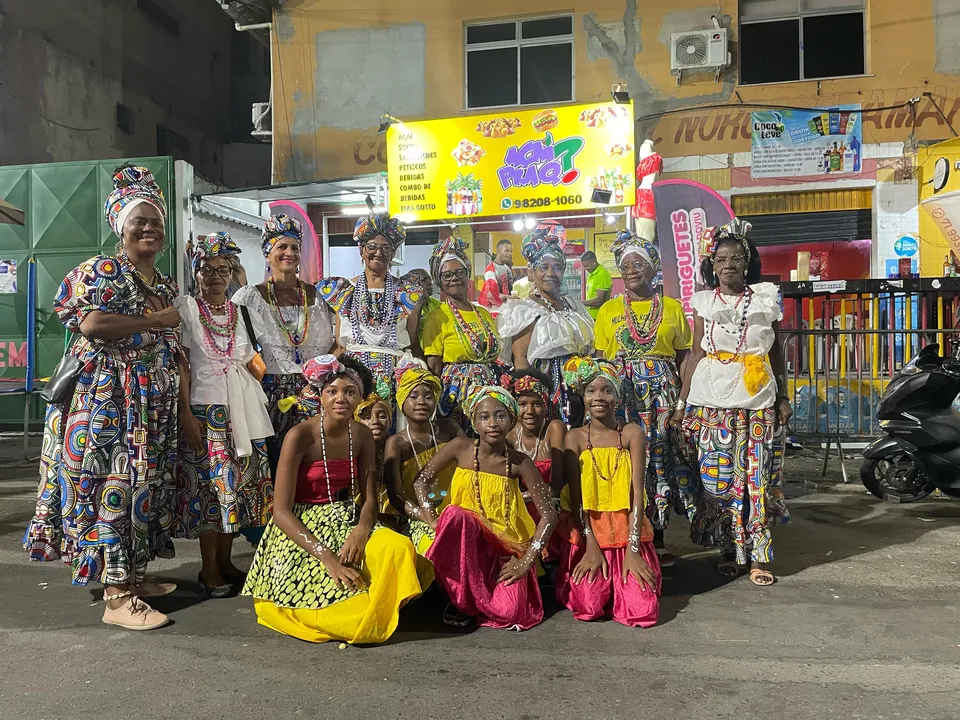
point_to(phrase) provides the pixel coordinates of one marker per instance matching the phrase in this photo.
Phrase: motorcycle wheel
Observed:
(895, 477)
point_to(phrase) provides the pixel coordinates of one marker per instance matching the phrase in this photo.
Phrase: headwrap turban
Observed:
(379, 224)
(479, 393)
(529, 385)
(546, 241)
(324, 369)
(411, 375)
(451, 248)
(131, 187)
(279, 226)
(208, 247)
(627, 243)
(736, 229)
(581, 371)
(372, 400)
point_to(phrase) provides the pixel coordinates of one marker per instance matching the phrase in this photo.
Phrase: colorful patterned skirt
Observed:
(294, 595)
(217, 491)
(457, 380)
(651, 388)
(277, 388)
(106, 496)
(565, 404)
(740, 456)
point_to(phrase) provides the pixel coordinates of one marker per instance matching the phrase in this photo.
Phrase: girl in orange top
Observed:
(609, 567)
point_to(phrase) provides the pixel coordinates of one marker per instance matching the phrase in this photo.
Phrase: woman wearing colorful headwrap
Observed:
(407, 452)
(547, 328)
(460, 339)
(487, 545)
(290, 320)
(105, 502)
(223, 476)
(608, 567)
(734, 404)
(377, 315)
(648, 336)
(325, 569)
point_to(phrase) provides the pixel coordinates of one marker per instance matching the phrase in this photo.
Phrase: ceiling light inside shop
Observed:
(517, 225)
(530, 223)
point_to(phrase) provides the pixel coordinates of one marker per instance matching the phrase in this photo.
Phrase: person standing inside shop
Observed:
(498, 278)
(599, 283)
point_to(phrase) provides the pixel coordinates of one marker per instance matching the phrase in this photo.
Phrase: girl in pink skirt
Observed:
(608, 567)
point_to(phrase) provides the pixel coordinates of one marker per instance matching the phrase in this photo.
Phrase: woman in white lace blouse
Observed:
(547, 328)
(291, 323)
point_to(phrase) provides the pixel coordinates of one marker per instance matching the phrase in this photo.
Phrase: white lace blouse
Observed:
(719, 382)
(557, 333)
(277, 352)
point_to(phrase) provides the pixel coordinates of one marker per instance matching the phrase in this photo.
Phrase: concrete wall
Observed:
(337, 68)
(64, 65)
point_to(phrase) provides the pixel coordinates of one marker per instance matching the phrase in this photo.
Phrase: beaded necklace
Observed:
(326, 472)
(297, 333)
(593, 458)
(219, 337)
(642, 334)
(476, 480)
(479, 349)
(536, 449)
(535, 293)
(416, 456)
(746, 296)
(364, 313)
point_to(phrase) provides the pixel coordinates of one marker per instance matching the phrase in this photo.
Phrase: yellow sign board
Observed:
(547, 160)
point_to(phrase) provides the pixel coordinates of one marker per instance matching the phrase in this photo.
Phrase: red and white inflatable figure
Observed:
(649, 167)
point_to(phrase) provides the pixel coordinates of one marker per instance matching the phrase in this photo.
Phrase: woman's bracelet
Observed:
(681, 405)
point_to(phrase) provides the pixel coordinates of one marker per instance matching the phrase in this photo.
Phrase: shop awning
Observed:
(10, 215)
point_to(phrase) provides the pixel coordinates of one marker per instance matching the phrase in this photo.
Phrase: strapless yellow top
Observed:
(501, 504)
(609, 489)
(409, 472)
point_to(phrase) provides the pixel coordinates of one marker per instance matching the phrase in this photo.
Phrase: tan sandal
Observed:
(762, 577)
(153, 589)
(133, 614)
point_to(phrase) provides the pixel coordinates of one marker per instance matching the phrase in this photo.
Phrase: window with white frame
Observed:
(784, 40)
(519, 62)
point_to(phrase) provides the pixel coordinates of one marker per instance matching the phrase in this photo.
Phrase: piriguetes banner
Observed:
(684, 210)
(511, 162)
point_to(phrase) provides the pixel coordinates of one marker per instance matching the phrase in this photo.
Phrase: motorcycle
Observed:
(921, 449)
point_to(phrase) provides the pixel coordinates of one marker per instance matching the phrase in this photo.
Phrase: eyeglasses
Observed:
(372, 248)
(449, 275)
(636, 265)
(207, 271)
(731, 260)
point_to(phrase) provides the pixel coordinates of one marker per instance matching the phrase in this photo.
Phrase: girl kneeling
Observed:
(486, 543)
(609, 566)
(325, 570)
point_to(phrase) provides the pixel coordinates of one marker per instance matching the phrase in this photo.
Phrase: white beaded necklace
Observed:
(326, 472)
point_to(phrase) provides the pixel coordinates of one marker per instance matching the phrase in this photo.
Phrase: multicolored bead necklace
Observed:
(297, 334)
(479, 349)
(642, 334)
(746, 296)
(371, 311)
(219, 337)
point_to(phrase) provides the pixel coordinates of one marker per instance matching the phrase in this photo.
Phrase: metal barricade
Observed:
(843, 348)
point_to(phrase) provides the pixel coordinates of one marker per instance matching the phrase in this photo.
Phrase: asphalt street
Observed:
(863, 623)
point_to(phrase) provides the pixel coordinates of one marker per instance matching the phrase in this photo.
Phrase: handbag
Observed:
(64, 376)
(256, 366)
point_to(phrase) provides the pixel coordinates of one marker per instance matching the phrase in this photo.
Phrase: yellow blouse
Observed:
(602, 494)
(409, 472)
(501, 504)
(440, 337)
(673, 334)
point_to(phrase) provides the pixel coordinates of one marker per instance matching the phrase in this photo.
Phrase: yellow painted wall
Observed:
(901, 63)
(934, 247)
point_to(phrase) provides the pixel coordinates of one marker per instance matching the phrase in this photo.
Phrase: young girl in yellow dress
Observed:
(407, 452)
(609, 566)
(487, 545)
(376, 414)
(325, 570)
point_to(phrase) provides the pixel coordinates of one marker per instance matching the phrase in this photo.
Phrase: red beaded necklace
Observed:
(214, 330)
(643, 333)
(479, 349)
(746, 296)
(593, 458)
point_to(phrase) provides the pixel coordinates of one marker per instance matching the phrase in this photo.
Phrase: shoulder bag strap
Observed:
(249, 326)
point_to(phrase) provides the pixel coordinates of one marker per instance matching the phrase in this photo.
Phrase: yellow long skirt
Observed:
(390, 570)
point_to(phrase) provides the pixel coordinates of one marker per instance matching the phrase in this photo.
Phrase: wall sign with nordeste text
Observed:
(547, 160)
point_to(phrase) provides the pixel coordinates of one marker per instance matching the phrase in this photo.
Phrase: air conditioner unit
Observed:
(699, 50)
(262, 121)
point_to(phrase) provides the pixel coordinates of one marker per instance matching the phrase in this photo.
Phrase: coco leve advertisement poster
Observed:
(792, 143)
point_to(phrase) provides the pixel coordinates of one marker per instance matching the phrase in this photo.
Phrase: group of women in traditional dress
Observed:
(382, 444)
